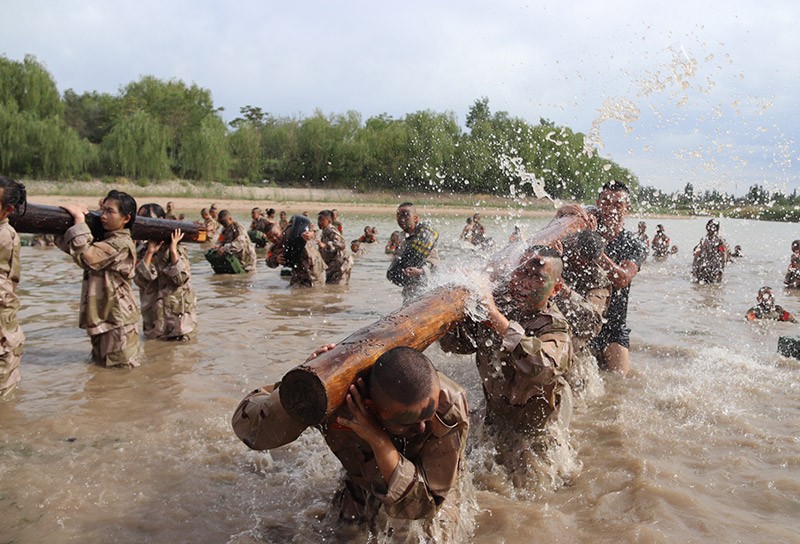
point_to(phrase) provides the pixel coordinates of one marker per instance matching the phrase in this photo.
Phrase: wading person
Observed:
(660, 243)
(109, 310)
(621, 262)
(710, 256)
(210, 224)
(400, 436)
(792, 278)
(297, 248)
(233, 240)
(767, 309)
(163, 275)
(12, 198)
(522, 351)
(334, 251)
(417, 254)
(170, 213)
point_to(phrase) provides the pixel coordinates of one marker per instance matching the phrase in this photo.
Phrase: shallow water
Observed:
(698, 444)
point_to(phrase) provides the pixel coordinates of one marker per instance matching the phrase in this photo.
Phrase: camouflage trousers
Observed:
(118, 347)
(10, 374)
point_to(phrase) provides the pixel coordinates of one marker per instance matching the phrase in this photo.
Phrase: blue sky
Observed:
(715, 84)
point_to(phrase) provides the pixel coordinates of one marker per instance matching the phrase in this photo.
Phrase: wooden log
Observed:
(41, 219)
(312, 391)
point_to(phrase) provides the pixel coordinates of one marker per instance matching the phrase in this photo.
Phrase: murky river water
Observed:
(699, 444)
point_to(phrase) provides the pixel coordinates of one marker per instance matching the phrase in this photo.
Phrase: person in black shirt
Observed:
(621, 261)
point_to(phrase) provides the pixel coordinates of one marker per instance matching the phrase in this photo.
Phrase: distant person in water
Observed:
(710, 256)
(393, 245)
(641, 235)
(792, 278)
(478, 230)
(369, 236)
(334, 251)
(337, 222)
(282, 221)
(233, 241)
(737, 252)
(211, 225)
(417, 255)
(767, 309)
(466, 233)
(356, 249)
(660, 245)
(170, 213)
(516, 236)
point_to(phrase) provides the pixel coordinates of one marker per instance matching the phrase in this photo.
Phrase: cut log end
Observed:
(303, 395)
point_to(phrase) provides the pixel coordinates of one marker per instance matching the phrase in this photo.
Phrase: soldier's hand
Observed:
(413, 272)
(153, 246)
(320, 351)
(77, 211)
(177, 236)
(363, 422)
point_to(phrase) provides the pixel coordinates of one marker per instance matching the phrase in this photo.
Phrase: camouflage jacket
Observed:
(165, 291)
(234, 240)
(429, 462)
(11, 335)
(336, 254)
(107, 299)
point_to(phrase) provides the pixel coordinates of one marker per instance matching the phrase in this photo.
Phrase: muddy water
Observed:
(698, 444)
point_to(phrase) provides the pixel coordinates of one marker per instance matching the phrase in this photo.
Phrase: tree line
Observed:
(155, 129)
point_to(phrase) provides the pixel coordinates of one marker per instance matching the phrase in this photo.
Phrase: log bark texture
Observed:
(312, 391)
(41, 219)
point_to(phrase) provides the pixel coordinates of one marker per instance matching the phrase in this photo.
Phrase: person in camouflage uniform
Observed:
(297, 248)
(710, 256)
(584, 300)
(767, 309)
(792, 278)
(400, 435)
(334, 251)
(210, 225)
(163, 275)
(234, 240)
(109, 310)
(12, 198)
(417, 255)
(523, 350)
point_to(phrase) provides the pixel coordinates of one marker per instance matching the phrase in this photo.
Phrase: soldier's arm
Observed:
(79, 242)
(537, 359)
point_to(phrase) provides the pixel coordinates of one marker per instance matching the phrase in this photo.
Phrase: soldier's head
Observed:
(712, 227)
(273, 233)
(355, 245)
(13, 197)
(613, 204)
(282, 214)
(204, 213)
(225, 218)
(324, 218)
(659, 228)
(583, 249)
(796, 246)
(212, 211)
(766, 297)
(255, 213)
(271, 214)
(118, 211)
(407, 217)
(170, 206)
(536, 279)
(403, 391)
(151, 210)
(642, 226)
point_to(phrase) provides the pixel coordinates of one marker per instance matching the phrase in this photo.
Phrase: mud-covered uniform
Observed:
(584, 308)
(234, 241)
(168, 302)
(11, 336)
(522, 374)
(109, 310)
(775, 312)
(337, 257)
(710, 257)
(418, 250)
(429, 462)
(309, 271)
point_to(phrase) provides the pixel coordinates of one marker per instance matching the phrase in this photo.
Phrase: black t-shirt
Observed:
(625, 247)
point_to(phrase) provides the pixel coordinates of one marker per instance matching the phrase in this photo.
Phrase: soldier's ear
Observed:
(557, 287)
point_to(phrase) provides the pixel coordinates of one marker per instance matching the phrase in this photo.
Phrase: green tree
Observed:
(137, 147)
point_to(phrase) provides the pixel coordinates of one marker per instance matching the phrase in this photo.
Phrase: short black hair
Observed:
(615, 185)
(548, 253)
(14, 194)
(326, 213)
(404, 375)
(126, 204)
(223, 214)
(152, 210)
(406, 205)
(587, 244)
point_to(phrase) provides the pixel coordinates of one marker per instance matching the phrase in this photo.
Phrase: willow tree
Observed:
(245, 152)
(204, 153)
(136, 147)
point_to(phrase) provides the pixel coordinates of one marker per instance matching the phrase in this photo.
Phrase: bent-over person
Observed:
(400, 436)
(297, 248)
(334, 251)
(233, 240)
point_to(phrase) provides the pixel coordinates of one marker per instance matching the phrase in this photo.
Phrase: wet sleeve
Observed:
(536, 359)
(79, 242)
(178, 273)
(585, 316)
(144, 274)
(237, 245)
(261, 422)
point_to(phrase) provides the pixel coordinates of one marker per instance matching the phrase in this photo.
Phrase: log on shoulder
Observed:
(314, 390)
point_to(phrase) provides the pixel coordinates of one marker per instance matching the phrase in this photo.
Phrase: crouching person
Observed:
(400, 436)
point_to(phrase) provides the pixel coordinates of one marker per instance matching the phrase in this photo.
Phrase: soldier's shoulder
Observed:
(549, 320)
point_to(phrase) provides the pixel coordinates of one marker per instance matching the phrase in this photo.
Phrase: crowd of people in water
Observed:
(401, 432)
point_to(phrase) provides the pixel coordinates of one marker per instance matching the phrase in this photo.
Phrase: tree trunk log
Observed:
(41, 219)
(312, 391)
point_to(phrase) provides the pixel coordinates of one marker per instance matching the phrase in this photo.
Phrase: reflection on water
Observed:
(698, 444)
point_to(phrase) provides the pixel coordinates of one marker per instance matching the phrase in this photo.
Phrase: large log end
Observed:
(303, 395)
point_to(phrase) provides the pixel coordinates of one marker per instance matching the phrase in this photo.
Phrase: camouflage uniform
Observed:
(234, 240)
(711, 256)
(429, 463)
(336, 255)
(523, 381)
(775, 312)
(43, 240)
(11, 336)
(584, 308)
(166, 294)
(109, 311)
(792, 278)
(212, 226)
(310, 272)
(418, 250)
